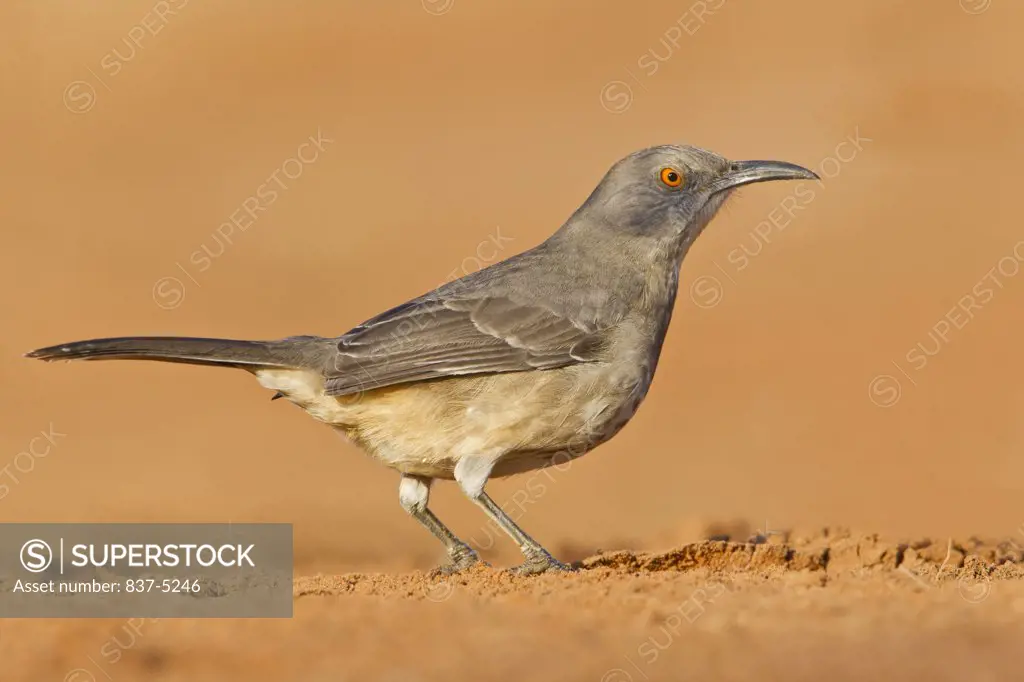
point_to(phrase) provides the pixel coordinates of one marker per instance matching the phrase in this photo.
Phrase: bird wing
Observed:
(442, 336)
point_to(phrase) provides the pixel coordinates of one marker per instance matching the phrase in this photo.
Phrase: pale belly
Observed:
(523, 420)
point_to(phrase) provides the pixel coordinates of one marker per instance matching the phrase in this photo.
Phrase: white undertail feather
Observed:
(305, 388)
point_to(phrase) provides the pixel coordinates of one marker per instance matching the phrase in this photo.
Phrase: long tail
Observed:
(298, 352)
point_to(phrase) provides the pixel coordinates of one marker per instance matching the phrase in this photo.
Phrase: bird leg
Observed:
(471, 474)
(413, 494)
(538, 559)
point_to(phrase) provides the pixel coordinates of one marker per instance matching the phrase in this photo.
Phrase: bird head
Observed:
(673, 191)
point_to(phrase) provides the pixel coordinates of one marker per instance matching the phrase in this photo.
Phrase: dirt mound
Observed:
(826, 557)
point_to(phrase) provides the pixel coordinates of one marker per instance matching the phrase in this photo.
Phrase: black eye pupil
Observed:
(672, 177)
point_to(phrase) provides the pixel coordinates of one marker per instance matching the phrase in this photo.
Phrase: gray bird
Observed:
(530, 362)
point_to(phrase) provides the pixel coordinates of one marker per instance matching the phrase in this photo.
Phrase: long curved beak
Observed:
(747, 172)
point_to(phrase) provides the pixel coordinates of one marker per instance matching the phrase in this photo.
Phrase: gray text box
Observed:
(208, 570)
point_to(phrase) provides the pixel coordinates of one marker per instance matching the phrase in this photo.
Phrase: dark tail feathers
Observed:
(297, 352)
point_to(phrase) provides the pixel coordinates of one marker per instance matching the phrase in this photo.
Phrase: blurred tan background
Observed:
(131, 131)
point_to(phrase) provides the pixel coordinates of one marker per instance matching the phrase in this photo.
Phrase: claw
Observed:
(462, 558)
(540, 562)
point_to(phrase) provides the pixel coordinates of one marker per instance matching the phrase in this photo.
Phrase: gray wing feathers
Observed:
(434, 337)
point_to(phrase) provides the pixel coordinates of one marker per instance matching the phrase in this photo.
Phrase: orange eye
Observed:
(671, 177)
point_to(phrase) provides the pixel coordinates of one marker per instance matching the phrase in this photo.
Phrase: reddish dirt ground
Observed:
(846, 357)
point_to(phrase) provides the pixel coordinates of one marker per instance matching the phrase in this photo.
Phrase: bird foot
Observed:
(461, 558)
(540, 562)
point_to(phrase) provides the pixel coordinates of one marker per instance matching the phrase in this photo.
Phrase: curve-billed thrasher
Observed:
(524, 364)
